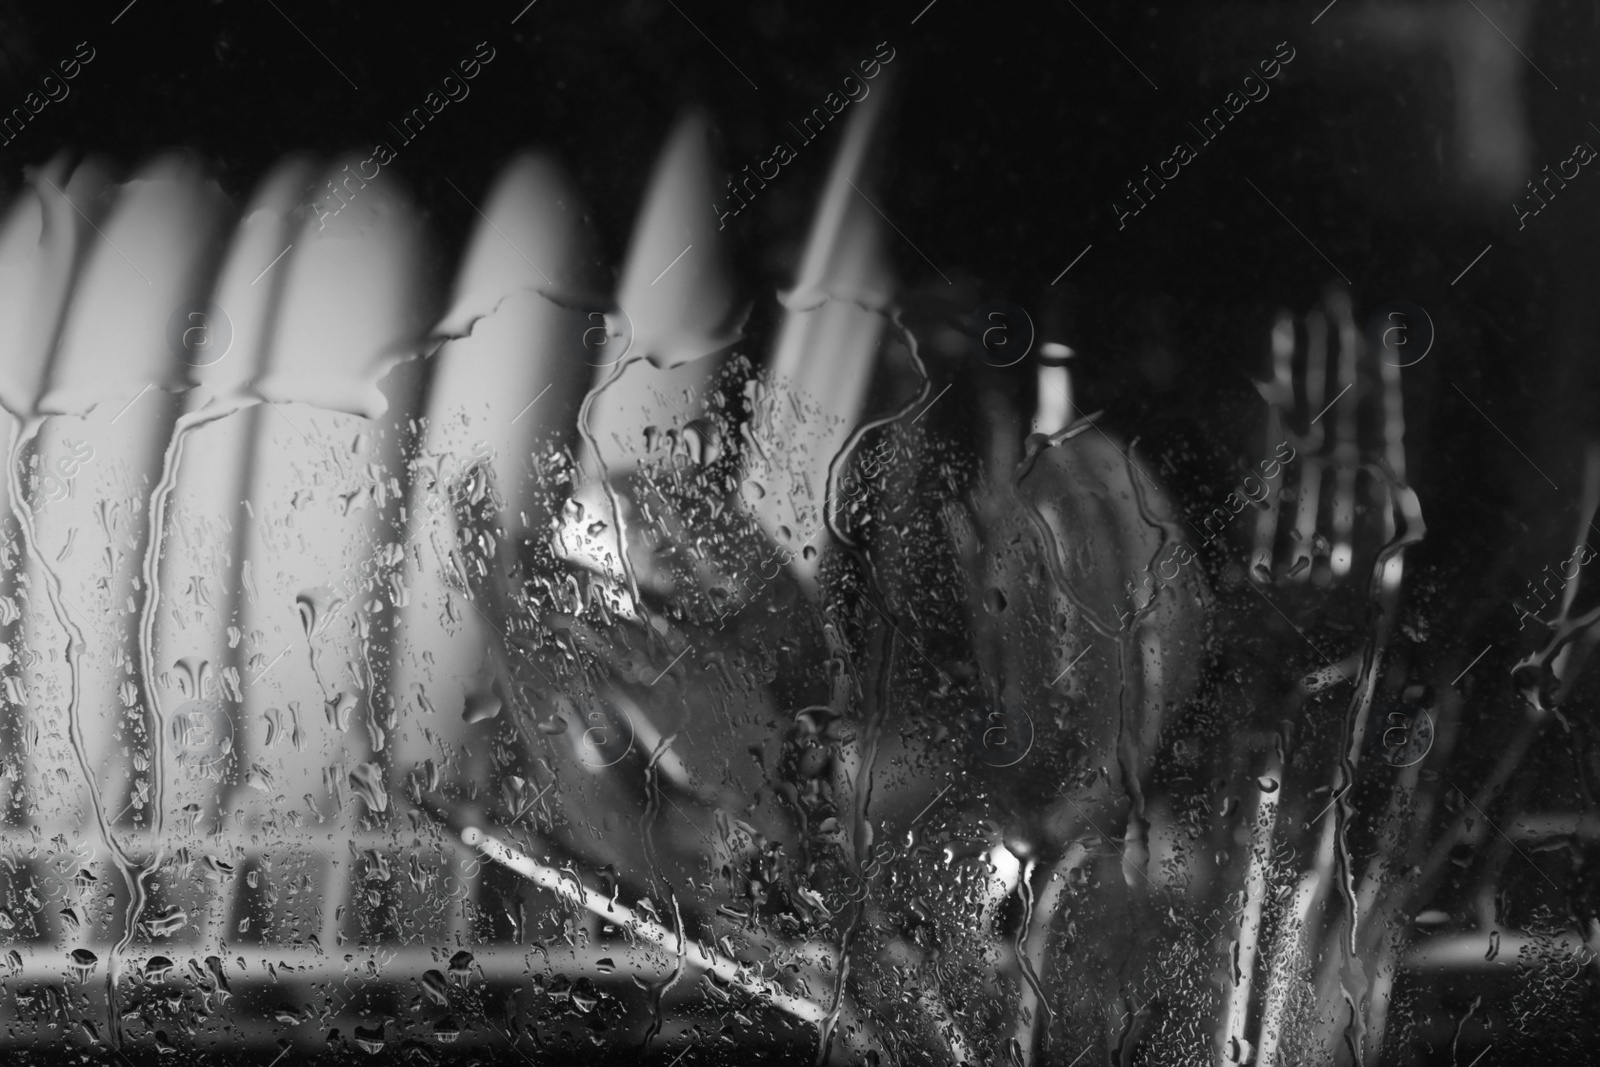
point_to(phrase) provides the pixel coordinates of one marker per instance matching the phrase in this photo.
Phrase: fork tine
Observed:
(1346, 455)
(1316, 376)
(1394, 452)
(1282, 386)
(1310, 488)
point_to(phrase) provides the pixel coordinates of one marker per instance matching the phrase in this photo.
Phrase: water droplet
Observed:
(584, 997)
(166, 921)
(305, 604)
(83, 963)
(370, 1038)
(201, 732)
(214, 968)
(367, 781)
(484, 704)
(1320, 679)
(338, 709)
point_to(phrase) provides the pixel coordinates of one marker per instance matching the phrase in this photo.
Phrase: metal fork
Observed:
(1319, 472)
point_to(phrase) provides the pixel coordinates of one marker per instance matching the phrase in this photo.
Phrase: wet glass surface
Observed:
(923, 537)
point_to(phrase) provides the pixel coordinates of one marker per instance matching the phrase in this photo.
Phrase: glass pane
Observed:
(934, 536)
